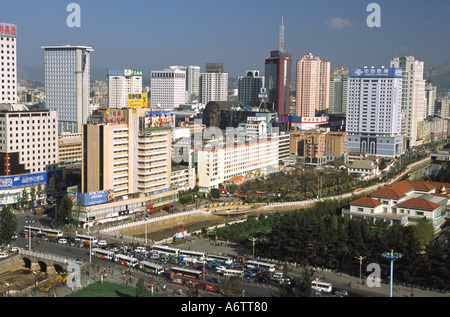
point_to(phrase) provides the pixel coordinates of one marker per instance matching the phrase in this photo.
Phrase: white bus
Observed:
(261, 266)
(126, 260)
(52, 232)
(321, 286)
(103, 254)
(219, 259)
(231, 272)
(151, 268)
(161, 249)
(31, 229)
(86, 239)
(192, 254)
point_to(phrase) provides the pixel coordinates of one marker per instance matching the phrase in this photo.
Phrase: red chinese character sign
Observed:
(8, 29)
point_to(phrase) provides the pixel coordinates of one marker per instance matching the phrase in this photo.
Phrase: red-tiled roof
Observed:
(388, 193)
(419, 203)
(366, 201)
(405, 186)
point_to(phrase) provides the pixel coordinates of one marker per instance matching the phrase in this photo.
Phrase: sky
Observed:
(153, 35)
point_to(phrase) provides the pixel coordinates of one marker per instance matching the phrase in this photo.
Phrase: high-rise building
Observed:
(67, 84)
(373, 122)
(30, 142)
(168, 88)
(8, 63)
(213, 84)
(338, 91)
(192, 83)
(430, 95)
(278, 76)
(126, 167)
(249, 87)
(125, 158)
(312, 86)
(413, 97)
(120, 84)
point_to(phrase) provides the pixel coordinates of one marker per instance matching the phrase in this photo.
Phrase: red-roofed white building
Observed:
(403, 203)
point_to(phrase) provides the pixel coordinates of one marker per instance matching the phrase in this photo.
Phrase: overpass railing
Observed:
(46, 256)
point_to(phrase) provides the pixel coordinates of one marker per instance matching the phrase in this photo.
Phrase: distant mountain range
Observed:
(440, 76)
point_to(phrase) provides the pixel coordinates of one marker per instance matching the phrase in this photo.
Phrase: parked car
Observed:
(341, 293)
(249, 279)
(102, 243)
(14, 249)
(3, 255)
(215, 280)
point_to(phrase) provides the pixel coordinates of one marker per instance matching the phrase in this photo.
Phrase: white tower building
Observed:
(8, 63)
(413, 97)
(67, 84)
(168, 88)
(373, 122)
(120, 84)
(192, 83)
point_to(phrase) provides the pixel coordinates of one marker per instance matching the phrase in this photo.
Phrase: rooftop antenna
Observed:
(281, 38)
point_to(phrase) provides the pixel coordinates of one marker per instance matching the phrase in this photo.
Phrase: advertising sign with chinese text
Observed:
(8, 29)
(137, 100)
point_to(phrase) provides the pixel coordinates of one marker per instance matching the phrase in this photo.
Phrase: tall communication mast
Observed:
(281, 38)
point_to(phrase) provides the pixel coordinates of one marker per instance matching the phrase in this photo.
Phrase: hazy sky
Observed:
(152, 35)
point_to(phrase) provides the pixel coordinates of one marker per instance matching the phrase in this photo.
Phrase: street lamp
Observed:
(254, 239)
(360, 258)
(392, 256)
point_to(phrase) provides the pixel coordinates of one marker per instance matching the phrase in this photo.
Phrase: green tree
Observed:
(23, 197)
(65, 210)
(232, 287)
(39, 192)
(424, 231)
(52, 186)
(215, 193)
(141, 290)
(32, 197)
(8, 226)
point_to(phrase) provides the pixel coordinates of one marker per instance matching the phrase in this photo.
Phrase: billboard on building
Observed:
(27, 180)
(375, 72)
(214, 67)
(116, 116)
(159, 119)
(137, 100)
(92, 198)
(125, 72)
(8, 29)
(282, 119)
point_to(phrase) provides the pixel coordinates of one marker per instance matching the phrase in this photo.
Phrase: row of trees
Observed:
(321, 237)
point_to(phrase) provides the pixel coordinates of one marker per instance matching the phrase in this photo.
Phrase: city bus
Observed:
(103, 254)
(231, 272)
(86, 239)
(126, 260)
(33, 230)
(161, 249)
(178, 272)
(324, 287)
(219, 259)
(151, 268)
(261, 266)
(192, 254)
(52, 232)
